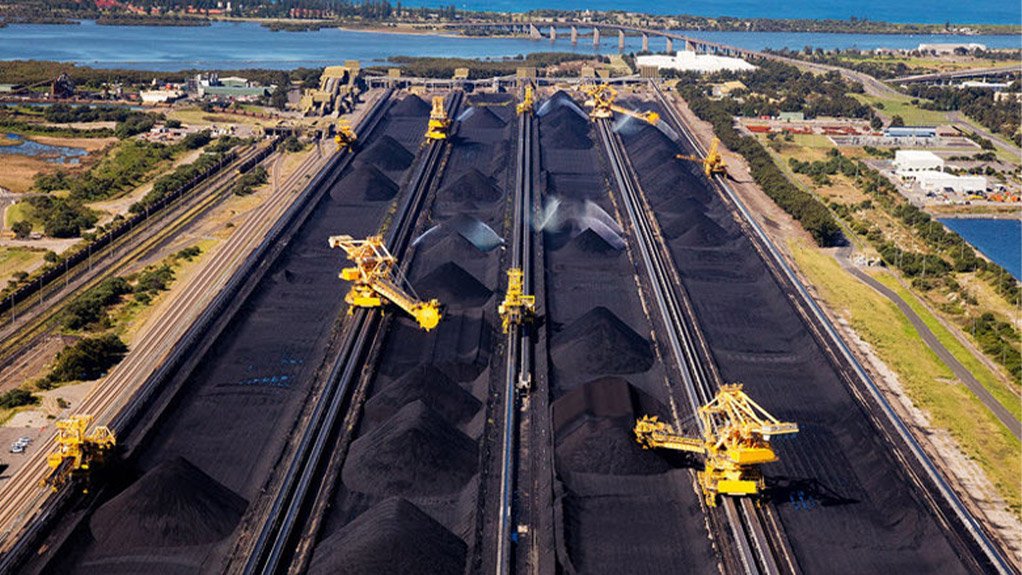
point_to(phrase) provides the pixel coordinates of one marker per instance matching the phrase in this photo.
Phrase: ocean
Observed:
(922, 11)
(227, 45)
(999, 240)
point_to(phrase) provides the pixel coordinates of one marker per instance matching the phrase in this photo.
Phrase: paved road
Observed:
(959, 121)
(963, 374)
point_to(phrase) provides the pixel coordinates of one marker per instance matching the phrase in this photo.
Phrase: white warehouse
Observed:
(690, 61)
(935, 181)
(908, 161)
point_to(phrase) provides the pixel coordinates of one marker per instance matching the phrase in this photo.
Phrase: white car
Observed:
(16, 448)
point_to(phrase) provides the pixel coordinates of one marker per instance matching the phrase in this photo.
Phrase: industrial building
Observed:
(951, 48)
(910, 132)
(937, 181)
(687, 61)
(907, 162)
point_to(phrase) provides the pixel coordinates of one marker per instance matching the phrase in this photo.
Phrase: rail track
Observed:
(931, 478)
(519, 356)
(275, 545)
(28, 511)
(758, 546)
(29, 319)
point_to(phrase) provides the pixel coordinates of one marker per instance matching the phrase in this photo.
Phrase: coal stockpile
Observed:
(582, 346)
(420, 434)
(450, 282)
(414, 452)
(426, 384)
(387, 154)
(837, 480)
(375, 184)
(234, 413)
(205, 510)
(620, 509)
(393, 536)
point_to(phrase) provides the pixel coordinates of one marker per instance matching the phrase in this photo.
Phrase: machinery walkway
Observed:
(956, 367)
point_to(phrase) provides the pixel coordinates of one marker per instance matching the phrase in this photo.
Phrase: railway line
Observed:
(29, 318)
(758, 545)
(119, 399)
(421, 445)
(275, 544)
(975, 550)
(944, 501)
(519, 353)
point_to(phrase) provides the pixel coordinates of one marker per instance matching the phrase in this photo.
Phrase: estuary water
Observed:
(999, 240)
(233, 45)
(924, 11)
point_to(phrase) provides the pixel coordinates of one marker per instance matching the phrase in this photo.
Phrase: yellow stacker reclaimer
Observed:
(528, 102)
(736, 440)
(77, 449)
(517, 306)
(601, 99)
(439, 123)
(345, 136)
(373, 280)
(713, 163)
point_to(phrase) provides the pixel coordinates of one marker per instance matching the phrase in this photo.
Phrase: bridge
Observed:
(1011, 71)
(576, 31)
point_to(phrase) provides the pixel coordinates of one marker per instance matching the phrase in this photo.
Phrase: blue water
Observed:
(227, 45)
(999, 240)
(923, 11)
(52, 154)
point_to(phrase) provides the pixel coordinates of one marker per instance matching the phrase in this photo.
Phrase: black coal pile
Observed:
(593, 429)
(410, 106)
(429, 385)
(452, 285)
(373, 183)
(472, 186)
(174, 504)
(392, 537)
(566, 130)
(590, 243)
(415, 452)
(388, 154)
(693, 228)
(447, 243)
(600, 343)
(481, 119)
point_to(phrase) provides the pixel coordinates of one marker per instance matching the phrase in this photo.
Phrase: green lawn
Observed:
(997, 387)
(16, 259)
(20, 211)
(902, 106)
(928, 382)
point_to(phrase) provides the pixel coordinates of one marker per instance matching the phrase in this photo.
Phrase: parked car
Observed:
(17, 448)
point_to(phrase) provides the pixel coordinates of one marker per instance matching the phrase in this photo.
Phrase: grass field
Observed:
(1005, 392)
(18, 212)
(928, 382)
(17, 259)
(902, 106)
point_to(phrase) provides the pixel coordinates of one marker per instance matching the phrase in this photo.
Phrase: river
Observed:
(234, 45)
(999, 240)
(924, 11)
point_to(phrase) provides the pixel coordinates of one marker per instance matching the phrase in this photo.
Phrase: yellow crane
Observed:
(713, 163)
(439, 123)
(372, 280)
(601, 99)
(517, 306)
(77, 450)
(528, 101)
(736, 439)
(345, 136)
